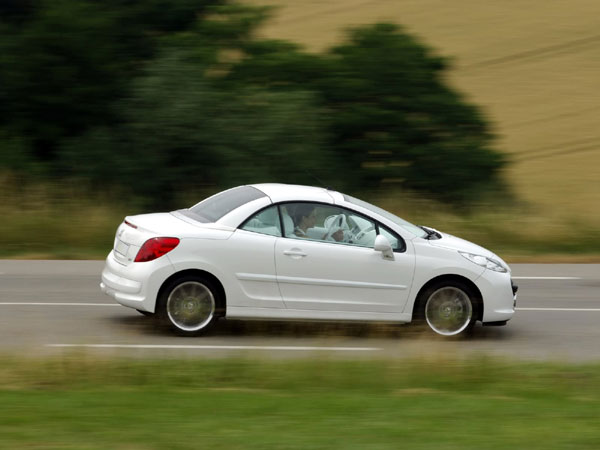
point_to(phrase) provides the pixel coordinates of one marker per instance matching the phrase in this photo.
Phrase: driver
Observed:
(305, 217)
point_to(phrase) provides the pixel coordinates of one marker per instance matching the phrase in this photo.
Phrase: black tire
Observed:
(447, 308)
(189, 305)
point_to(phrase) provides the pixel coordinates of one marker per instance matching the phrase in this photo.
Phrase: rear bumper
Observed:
(135, 285)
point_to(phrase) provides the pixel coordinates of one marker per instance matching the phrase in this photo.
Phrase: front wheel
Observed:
(448, 308)
(188, 305)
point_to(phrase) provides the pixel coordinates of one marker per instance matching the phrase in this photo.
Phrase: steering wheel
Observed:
(352, 234)
(360, 234)
(337, 223)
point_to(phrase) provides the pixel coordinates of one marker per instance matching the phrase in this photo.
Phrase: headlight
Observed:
(486, 262)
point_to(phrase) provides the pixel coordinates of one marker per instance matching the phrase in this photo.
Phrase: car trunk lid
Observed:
(135, 230)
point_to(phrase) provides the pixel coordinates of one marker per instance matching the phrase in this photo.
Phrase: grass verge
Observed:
(68, 221)
(56, 221)
(76, 401)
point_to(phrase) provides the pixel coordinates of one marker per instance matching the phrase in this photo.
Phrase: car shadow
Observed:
(299, 329)
(481, 333)
(268, 328)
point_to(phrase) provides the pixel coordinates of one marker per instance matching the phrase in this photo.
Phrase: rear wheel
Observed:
(188, 305)
(449, 308)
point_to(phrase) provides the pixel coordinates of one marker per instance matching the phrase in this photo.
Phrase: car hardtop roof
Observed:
(279, 192)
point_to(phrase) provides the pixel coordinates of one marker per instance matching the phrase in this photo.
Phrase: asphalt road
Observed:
(49, 307)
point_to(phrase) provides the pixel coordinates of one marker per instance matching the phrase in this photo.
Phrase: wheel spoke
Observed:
(191, 306)
(448, 311)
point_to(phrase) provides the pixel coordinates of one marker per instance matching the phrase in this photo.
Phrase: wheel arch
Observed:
(456, 278)
(221, 307)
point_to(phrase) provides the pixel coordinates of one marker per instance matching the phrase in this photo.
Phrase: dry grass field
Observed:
(533, 66)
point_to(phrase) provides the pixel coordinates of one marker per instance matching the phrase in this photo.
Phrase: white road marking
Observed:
(55, 304)
(546, 278)
(560, 309)
(217, 347)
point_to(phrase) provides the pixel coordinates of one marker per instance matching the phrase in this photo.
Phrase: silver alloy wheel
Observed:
(448, 311)
(191, 306)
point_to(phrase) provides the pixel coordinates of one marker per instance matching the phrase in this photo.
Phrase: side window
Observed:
(264, 222)
(327, 223)
(307, 220)
(286, 219)
(396, 241)
(362, 231)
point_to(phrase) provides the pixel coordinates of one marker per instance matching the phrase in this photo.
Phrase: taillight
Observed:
(155, 248)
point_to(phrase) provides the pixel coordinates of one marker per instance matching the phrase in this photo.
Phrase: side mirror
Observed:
(383, 245)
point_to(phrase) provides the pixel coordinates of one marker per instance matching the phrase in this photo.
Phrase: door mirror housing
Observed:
(382, 244)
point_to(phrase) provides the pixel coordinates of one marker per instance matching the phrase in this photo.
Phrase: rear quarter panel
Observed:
(244, 264)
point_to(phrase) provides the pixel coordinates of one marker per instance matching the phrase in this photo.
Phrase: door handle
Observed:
(294, 252)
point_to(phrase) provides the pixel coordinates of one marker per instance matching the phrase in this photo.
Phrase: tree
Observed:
(392, 117)
(164, 95)
(178, 131)
(395, 119)
(64, 63)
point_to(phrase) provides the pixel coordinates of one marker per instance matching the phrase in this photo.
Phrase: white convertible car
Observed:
(285, 252)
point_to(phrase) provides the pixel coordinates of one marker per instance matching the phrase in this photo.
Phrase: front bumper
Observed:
(499, 296)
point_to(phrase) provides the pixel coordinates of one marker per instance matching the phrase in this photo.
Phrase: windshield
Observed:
(417, 231)
(215, 207)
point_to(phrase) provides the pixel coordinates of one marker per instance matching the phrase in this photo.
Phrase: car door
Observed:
(251, 261)
(316, 272)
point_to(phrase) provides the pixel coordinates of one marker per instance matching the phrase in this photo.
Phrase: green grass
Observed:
(57, 221)
(80, 402)
(515, 231)
(66, 221)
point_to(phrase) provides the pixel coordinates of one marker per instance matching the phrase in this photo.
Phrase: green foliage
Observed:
(179, 132)
(163, 96)
(64, 65)
(60, 86)
(15, 151)
(392, 117)
(396, 120)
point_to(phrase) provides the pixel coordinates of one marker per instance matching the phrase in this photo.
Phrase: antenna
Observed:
(318, 180)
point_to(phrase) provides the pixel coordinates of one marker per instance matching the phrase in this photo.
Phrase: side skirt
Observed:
(300, 314)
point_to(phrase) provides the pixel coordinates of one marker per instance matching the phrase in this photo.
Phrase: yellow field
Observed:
(533, 66)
